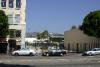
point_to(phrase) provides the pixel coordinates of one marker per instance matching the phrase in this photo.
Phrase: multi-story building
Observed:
(16, 12)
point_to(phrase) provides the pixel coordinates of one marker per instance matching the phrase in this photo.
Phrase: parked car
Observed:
(94, 51)
(54, 52)
(25, 51)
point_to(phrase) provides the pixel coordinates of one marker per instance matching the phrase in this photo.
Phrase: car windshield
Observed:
(95, 49)
(24, 49)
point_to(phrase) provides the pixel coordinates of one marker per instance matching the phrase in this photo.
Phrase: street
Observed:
(72, 60)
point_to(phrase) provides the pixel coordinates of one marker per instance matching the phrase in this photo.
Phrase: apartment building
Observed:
(16, 12)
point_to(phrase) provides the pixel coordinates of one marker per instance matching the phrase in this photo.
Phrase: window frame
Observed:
(3, 3)
(17, 18)
(11, 3)
(10, 16)
(18, 4)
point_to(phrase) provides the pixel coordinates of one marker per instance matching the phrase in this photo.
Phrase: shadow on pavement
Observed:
(14, 65)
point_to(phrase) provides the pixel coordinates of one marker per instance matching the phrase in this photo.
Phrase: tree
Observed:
(39, 36)
(3, 24)
(43, 35)
(91, 24)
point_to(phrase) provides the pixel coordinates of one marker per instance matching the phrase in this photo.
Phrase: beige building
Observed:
(16, 11)
(76, 41)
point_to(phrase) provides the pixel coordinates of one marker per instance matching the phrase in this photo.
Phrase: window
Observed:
(14, 33)
(18, 33)
(3, 3)
(18, 3)
(17, 18)
(11, 3)
(10, 18)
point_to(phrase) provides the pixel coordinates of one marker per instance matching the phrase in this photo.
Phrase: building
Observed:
(76, 41)
(31, 37)
(56, 37)
(16, 12)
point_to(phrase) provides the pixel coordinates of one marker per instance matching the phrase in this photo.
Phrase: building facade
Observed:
(76, 41)
(16, 12)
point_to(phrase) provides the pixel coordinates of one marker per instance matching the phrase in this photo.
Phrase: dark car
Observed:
(54, 52)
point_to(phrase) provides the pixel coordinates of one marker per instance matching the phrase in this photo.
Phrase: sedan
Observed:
(94, 51)
(24, 51)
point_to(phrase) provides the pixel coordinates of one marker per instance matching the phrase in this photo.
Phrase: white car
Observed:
(25, 51)
(94, 51)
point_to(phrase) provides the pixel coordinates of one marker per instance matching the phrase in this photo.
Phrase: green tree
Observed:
(39, 36)
(91, 24)
(4, 28)
(43, 35)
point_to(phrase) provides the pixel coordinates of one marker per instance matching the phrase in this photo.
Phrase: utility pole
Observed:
(8, 45)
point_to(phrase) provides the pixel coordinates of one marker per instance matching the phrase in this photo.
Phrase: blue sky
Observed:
(57, 15)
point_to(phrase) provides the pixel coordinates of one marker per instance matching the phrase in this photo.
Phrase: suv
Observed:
(94, 51)
(54, 52)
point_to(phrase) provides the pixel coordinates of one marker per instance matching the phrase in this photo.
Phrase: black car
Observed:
(54, 52)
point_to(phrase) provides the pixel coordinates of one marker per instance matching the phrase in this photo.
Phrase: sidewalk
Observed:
(4, 55)
(73, 54)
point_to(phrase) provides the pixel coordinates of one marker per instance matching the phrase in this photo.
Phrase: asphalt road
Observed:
(72, 60)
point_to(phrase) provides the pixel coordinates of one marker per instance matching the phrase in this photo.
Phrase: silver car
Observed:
(25, 51)
(94, 51)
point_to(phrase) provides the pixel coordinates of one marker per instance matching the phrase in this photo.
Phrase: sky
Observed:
(57, 16)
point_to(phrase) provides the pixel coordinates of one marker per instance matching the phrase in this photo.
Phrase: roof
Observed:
(56, 35)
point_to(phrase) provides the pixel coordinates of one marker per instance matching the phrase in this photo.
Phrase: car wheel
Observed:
(90, 54)
(16, 54)
(61, 54)
(31, 54)
(47, 54)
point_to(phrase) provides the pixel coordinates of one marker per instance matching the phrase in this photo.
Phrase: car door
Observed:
(98, 51)
(26, 52)
(23, 52)
(20, 52)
